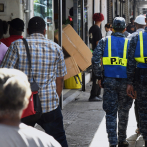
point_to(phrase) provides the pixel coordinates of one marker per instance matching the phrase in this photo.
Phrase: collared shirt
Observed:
(135, 33)
(98, 54)
(47, 64)
(9, 40)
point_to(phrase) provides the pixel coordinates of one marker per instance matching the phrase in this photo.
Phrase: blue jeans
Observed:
(52, 123)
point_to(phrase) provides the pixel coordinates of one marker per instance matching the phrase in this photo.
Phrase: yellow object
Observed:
(141, 59)
(71, 83)
(116, 60)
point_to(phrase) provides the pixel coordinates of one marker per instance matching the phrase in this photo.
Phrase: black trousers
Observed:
(96, 90)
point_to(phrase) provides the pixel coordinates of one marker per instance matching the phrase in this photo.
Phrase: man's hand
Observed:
(100, 83)
(130, 92)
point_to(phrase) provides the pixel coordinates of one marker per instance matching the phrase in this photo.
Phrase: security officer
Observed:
(113, 51)
(137, 55)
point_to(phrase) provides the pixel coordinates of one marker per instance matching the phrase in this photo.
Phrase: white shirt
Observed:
(108, 33)
(135, 33)
(25, 136)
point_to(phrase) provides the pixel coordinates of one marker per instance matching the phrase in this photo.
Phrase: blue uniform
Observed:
(140, 84)
(115, 98)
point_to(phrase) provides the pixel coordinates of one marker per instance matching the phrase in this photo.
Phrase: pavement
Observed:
(84, 122)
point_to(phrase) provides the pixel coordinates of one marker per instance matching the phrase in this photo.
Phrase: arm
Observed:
(97, 57)
(11, 57)
(59, 83)
(61, 71)
(131, 65)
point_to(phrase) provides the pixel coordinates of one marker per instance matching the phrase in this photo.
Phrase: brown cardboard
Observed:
(72, 68)
(75, 47)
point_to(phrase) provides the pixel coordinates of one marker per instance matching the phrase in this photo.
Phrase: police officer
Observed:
(137, 55)
(113, 51)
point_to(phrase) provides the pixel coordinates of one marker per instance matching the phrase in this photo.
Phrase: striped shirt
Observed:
(47, 63)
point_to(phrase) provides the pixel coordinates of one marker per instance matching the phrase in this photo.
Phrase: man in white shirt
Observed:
(14, 95)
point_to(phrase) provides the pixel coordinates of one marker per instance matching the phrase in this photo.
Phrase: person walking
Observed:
(94, 36)
(137, 56)
(113, 52)
(15, 30)
(48, 69)
(140, 26)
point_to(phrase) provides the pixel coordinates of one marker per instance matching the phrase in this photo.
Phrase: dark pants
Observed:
(115, 100)
(96, 90)
(52, 123)
(136, 112)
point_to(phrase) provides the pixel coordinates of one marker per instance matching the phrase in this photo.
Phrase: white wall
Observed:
(13, 9)
(69, 4)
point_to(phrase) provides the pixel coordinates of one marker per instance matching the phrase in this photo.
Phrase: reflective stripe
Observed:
(109, 46)
(141, 44)
(125, 49)
(116, 60)
(141, 59)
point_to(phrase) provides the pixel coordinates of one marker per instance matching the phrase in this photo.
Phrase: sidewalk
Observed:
(85, 123)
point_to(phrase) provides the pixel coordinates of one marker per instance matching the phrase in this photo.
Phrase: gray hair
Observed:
(14, 91)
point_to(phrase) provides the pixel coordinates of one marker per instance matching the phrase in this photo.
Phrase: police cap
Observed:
(119, 23)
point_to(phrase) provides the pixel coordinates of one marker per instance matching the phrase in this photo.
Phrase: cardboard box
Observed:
(75, 47)
(72, 68)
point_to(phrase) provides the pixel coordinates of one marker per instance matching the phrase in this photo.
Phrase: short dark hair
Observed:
(108, 25)
(119, 30)
(36, 25)
(3, 28)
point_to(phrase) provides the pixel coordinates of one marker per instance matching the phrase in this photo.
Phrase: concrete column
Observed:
(97, 6)
(127, 11)
(104, 12)
(90, 13)
(110, 11)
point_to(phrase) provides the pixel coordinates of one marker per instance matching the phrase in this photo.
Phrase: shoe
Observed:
(123, 144)
(100, 97)
(93, 99)
(137, 131)
(113, 146)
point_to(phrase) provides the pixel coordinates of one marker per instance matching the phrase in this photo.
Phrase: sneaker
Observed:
(137, 131)
(113, 146)
(123, 144)
(93, 99)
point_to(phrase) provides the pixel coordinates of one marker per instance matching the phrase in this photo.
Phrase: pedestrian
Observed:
(108, 29)
(94, 36)
(3, 47)
(48, 69)
(113, 52)
(15, 31)
(137, 55)
(14, 96)
(131, 26)
(140, 26)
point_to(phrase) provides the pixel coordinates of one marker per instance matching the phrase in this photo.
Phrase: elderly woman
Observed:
(14, 95)
(3, 47)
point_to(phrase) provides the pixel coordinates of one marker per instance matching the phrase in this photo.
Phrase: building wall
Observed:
(69, 4)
